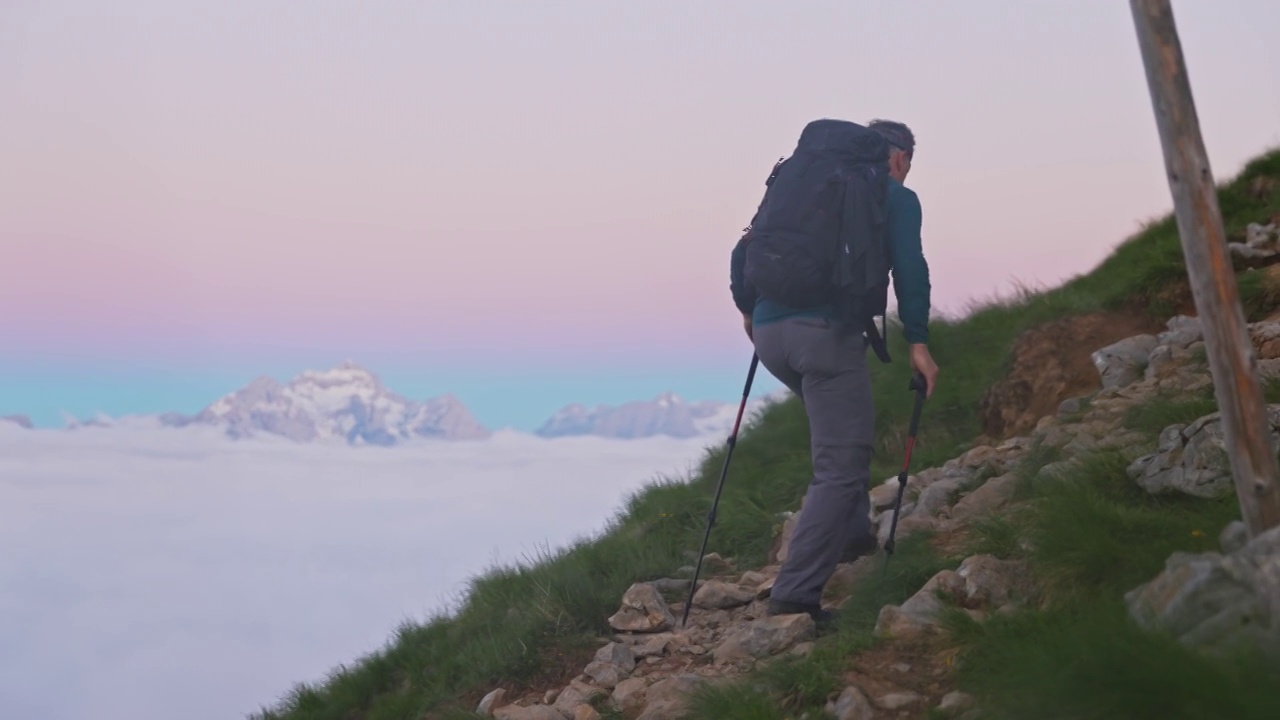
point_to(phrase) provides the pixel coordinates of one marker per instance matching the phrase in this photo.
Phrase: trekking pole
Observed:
(724, 470)
(918, 385)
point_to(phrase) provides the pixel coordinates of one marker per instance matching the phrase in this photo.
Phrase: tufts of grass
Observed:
(1167, 409)
(1093, 536)
(997, 534)
(1092, 662)
(1095, 532)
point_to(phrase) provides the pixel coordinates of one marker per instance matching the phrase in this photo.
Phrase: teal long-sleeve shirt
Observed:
(910, 272)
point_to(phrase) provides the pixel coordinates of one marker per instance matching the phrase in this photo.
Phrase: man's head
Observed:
(902, 146)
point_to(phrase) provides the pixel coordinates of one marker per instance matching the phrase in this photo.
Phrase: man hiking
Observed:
(819, 351)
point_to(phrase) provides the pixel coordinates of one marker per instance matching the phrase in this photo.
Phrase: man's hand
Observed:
(923, 362)
(746, 325)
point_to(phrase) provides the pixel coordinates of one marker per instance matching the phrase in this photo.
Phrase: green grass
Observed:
(527, 623)
(788, 686)
(1093, 536)
(1170, 409)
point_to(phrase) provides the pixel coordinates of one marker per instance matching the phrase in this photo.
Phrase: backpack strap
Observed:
(877, 340)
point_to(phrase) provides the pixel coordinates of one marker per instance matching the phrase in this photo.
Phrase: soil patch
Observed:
(1052, 362)
(922, 667)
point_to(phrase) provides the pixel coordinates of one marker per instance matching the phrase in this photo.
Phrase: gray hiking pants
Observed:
(826, 365)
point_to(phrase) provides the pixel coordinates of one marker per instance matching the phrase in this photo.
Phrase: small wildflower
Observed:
(1197, 533)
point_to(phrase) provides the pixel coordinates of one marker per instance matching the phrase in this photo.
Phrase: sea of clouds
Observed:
(163, 573)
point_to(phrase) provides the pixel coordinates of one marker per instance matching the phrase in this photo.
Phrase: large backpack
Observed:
(819, 236)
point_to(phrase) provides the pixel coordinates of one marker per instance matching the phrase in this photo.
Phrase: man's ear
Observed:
(896, 158)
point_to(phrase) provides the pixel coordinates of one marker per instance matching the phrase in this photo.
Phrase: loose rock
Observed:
(491, 701)
(852, 705)
(642, 610)
(765, 637)
(717, 594)
(1122, 363)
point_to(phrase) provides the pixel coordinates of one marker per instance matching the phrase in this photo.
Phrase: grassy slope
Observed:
(538, 621)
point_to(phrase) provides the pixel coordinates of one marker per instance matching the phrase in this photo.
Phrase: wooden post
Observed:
(1213, 285)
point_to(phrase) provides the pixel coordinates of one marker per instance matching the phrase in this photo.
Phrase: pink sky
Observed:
(184, 180)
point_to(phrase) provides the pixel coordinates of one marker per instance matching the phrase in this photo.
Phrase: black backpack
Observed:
(820, 235)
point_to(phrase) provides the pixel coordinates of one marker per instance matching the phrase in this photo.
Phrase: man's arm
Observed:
(911, 280)
(910, 270)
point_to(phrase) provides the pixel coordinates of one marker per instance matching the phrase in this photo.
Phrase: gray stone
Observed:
(1233, 537)
(532, 712)
(937, 496)
(897, 701)
(642, 610)
(629, 695)
(919, 614)
(1192, 459)
(992, 495)
(956, 702)
(576, 694)
(1123, 362)
(666, 698)
(764, 637)
(852, 705)
(1214, 601)
(717, 594)
(490, 701)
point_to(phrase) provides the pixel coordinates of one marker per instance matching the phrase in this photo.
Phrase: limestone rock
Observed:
(883, 495)
(629, 695)
(1233, 537)
(956, 702)
(605, 675)
(762, 638)
(937, 496)
(852, 705)
(666, 698)
(642, 610)
(531, 712)
(1261, 241)
(919, 614)
(987, 581)
(576, 694)
(1265, 337)
(899, 700)
(783, 545)
(717, 594)
(491, 701)
(586, 712)
(1214, 601)
(1192, 459)
(1122, 363)
(906, 526)
(992, 495)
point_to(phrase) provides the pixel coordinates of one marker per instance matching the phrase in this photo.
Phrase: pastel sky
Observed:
(195, 193)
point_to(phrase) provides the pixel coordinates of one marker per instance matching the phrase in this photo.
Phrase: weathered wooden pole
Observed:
(1213, 284)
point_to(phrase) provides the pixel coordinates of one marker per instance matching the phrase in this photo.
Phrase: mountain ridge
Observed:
(348, 403)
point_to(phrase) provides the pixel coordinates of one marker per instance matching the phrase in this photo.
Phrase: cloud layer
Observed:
(161, 573)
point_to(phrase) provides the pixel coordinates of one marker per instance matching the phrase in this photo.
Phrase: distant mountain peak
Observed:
(666, 414)
(346, 402)
(21, 421)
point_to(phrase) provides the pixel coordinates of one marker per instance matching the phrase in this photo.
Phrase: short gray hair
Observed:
(898, 135)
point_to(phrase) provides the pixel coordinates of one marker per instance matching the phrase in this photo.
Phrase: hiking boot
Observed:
(824, 619)
(865, 545)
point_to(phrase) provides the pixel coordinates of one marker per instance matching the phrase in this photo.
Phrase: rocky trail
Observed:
(650, 665)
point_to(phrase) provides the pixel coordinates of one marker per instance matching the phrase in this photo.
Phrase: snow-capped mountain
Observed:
(667, 414)
(21, 421)
(345, 403)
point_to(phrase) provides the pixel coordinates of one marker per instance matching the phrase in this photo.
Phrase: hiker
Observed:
(820, 357)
